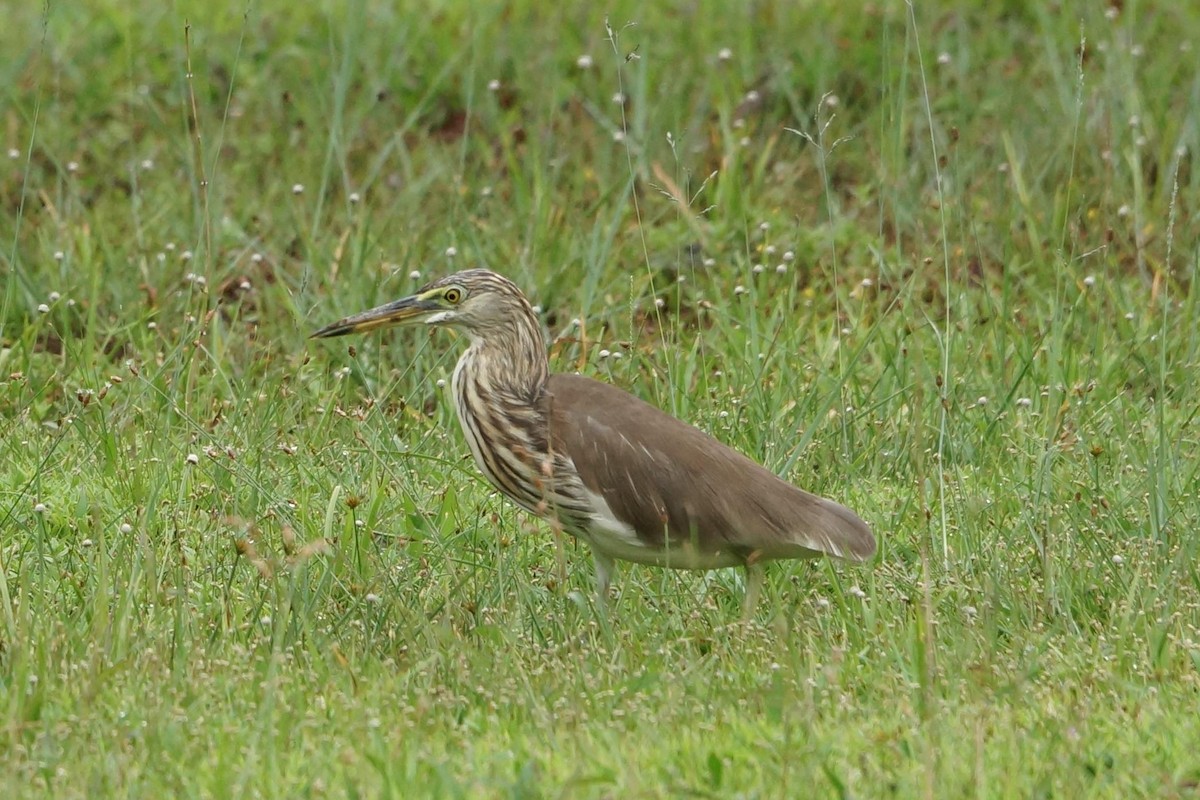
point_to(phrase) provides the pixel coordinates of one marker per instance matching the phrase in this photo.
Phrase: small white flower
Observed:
(72, 166)
(604, 354)
(1089, 281)
(857, 592)
(584, 61)
(54, 297)
(866, 283)
(781, 269)
(192, 459)
(659, 302)
(982, 401)
(493, 85)
(1118, 560)
(256, 258)
(415, 274)
(39, 508)
(1123, 211)
(758, 269)
(1129, 316)
(186, 255)
(14, 153)
(151, 326)
(372, 598)
(297, 188)
(354, 197)
(147, 163)
(618, 136)
(451, 251)
(1024, 402)
(753, 96)
(724, 54)
(126, 528)
(441, 383)
(739, 289)
(536, 309)
(59, 255)
(709, 262)
(619, 98)
(769, 250)
(723, 414)
(764, 226)
(43, 308)
(788, 255)
(943, 58)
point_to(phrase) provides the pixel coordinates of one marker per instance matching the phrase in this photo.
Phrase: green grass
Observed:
(234, 562)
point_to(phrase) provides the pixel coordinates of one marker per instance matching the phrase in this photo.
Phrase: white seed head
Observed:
(297, 188)
(584, 61)
(192, 459)
(39, 508)
(724, 54)
(1089, 281)
(43, 308)
(451, 251)
(354, 197)
(493, 85)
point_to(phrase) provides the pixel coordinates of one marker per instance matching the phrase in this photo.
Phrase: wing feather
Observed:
(677, 486)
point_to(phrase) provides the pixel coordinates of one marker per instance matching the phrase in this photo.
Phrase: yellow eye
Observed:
(452, 295)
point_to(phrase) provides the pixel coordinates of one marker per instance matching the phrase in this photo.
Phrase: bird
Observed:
(631, 481)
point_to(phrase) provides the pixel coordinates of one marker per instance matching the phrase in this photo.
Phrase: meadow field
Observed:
(936, 261)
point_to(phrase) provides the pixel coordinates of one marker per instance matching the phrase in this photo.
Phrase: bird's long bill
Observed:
(407, 309)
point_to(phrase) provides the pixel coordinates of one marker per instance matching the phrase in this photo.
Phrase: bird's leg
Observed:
(754, 581)
(604, 571)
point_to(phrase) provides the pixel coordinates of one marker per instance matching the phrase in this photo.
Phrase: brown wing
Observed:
(663, 477)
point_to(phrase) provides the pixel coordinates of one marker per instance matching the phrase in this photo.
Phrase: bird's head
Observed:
(478, 301)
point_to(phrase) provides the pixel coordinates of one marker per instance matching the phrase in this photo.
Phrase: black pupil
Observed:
(452, 296)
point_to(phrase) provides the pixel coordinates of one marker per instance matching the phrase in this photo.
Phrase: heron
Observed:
(631, 481)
